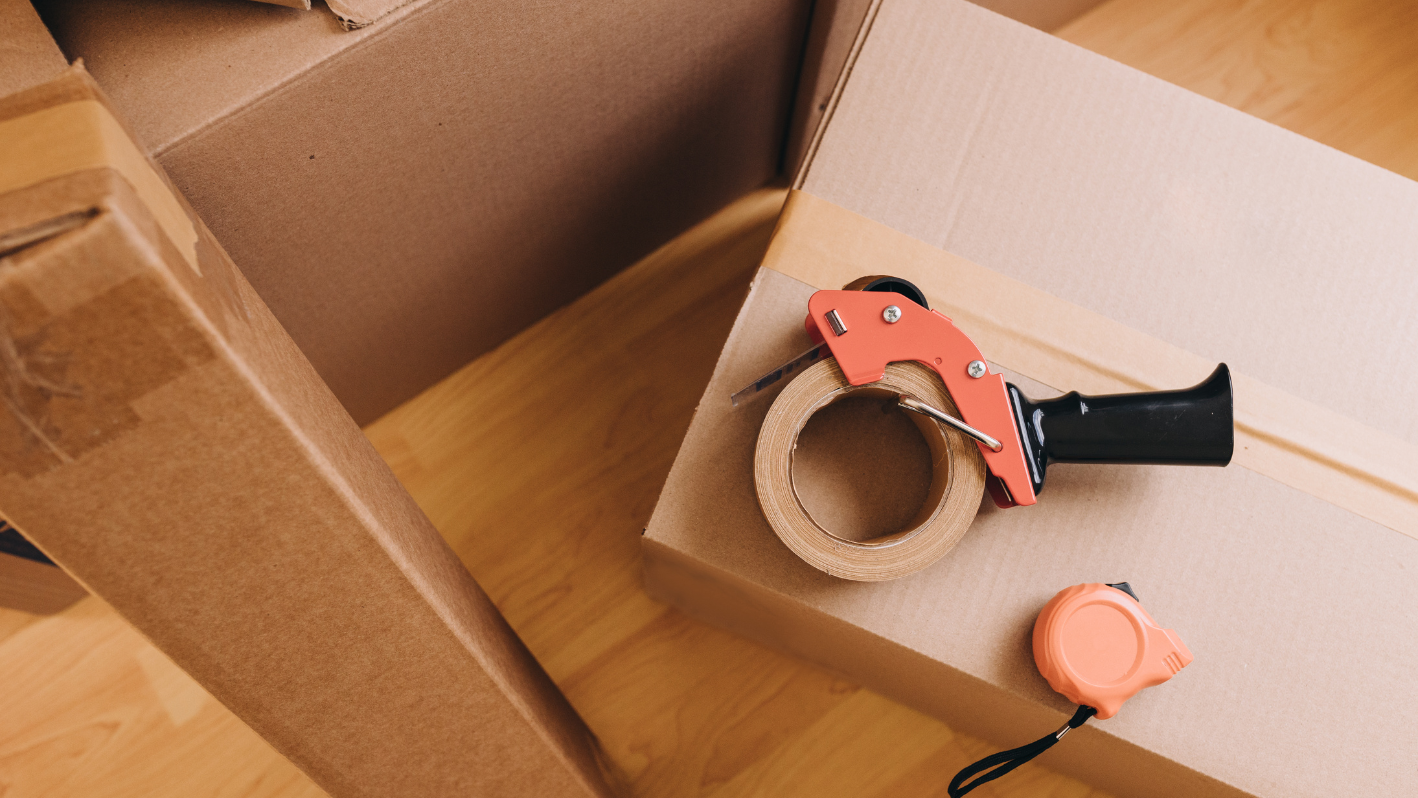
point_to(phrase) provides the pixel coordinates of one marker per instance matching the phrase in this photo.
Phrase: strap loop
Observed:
(996, 765)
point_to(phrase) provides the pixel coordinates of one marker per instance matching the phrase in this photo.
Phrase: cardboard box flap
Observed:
(408, 195)
(259, 49)
(1170, 213)
(355, 14)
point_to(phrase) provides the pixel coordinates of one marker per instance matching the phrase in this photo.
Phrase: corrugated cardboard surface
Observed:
(1189, 222)
(835, 25)
(165, 441)
(1092, 181)
(29, 57)
(28, 54)
(407, 195)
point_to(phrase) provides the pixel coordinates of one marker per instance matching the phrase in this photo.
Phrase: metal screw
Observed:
(892, 314)
(976, 369)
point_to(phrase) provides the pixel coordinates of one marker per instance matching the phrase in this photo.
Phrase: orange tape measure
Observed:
(1096, 645)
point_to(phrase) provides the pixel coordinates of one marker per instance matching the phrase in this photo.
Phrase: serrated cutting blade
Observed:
(773, 378)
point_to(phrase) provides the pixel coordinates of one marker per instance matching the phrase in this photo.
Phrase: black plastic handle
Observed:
(1189, 427)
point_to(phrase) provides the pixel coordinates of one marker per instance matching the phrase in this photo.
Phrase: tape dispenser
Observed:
(879, 335)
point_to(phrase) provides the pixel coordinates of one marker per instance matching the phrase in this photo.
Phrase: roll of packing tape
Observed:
(957, 481)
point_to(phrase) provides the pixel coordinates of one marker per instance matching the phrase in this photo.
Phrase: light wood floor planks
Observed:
(1342, 72)
(541, 463)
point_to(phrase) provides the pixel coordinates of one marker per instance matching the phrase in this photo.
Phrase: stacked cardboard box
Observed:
(1121, 234)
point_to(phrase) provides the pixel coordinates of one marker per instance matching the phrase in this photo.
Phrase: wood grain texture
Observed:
(1342, 72)
(91, 708)
(542, 461)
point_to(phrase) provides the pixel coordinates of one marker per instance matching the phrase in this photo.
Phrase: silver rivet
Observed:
(976, 369)
(892, 314)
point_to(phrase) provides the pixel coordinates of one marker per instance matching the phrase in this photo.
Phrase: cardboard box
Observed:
(408, 195)
(1109, 232)
(165, 442)
(28, 54)
(29, 581)
(834, 28)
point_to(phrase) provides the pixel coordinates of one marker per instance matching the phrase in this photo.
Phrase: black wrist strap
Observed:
(996, 765)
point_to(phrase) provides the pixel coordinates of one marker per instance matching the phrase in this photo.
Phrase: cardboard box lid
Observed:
(1190, 222)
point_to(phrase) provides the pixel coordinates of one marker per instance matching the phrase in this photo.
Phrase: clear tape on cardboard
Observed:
(76, 136)
(1288, 439)
(957, 480)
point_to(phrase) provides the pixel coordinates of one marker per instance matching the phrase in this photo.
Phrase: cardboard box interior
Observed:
(1201, 231)
(164, 440)
(408, 195)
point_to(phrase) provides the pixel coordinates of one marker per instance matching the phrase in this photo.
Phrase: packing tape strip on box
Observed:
(1295, 442)
(80, 135)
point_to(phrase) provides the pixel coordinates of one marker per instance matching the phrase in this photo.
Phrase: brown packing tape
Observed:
(77, 136)
(957, 480)
(1288, 439)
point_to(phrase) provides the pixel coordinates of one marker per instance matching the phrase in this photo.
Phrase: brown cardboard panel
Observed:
(29, 57)
(407, 195)
(28, 54)
(835, 25)
(1214, 234)
(167, 444)
(1298, 611)
(1131, 197)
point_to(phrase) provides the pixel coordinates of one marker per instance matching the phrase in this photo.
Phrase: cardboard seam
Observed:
(837, 90)
(251, 102)
(352, 22)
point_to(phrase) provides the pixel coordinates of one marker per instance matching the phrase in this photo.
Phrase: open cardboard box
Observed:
(407, 195)
(1109, 232)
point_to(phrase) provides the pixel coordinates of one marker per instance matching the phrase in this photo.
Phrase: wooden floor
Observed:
(541, 463)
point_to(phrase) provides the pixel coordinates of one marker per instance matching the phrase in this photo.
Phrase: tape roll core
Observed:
(957, 481)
